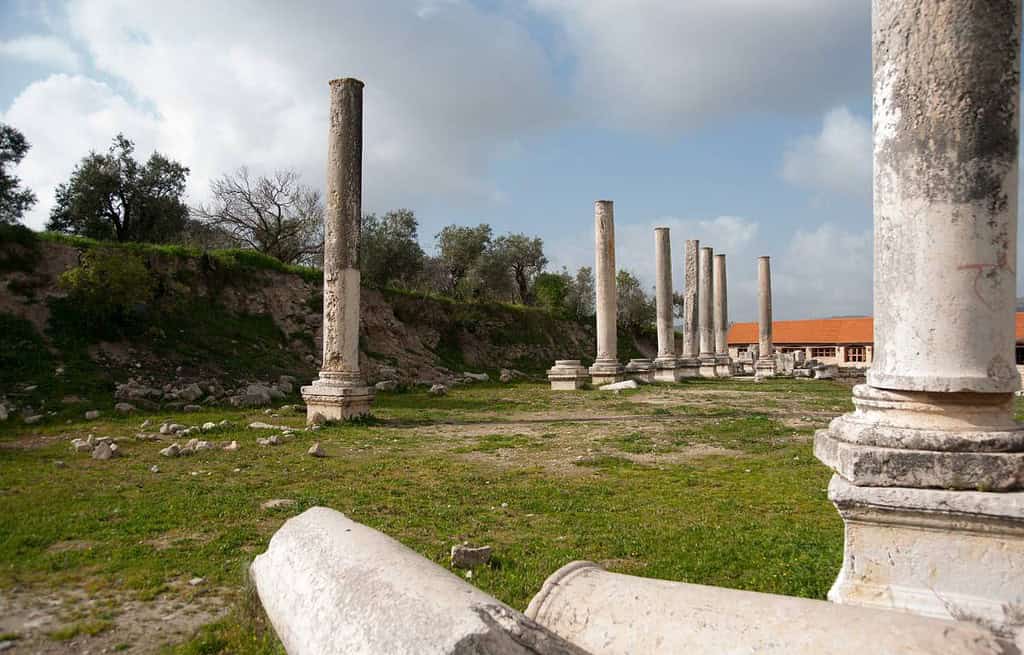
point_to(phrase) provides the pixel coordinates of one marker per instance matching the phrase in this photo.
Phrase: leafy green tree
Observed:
(524, 257)
(113, 196)
(14, 201)
(390, 249)
(636, 308)
(553, 292)
(459, 249)
(275, 214)
(582, 294)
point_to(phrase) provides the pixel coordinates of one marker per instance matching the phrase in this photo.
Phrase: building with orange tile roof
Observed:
(843, 341)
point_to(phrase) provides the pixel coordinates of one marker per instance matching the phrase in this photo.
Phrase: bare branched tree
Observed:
(276, 215)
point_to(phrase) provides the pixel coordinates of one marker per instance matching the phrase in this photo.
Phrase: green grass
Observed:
(757, 520)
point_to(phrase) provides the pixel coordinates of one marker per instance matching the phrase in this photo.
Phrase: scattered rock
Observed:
(476, 377)
(317, 419)
(316, 451)
(438, 390)
(32, 420)
(209, 425)
(171, 451)
(124, 408)
(190, 393)
(154, 469)
(186, 451)
(277, 503)
(259, 425)
(92, 415)
(165, 428)
(465, 556)
(202, 445)
(506, 376)
(233, 446)
(620, 386)
(386, 385)
(3, 412)
(195, 582)
(174, 428)
(192, 409)
(102, 451)
(272, 440)
(80, 445)
(145, 424)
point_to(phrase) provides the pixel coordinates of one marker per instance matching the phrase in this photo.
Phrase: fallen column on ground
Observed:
(666, 364)
(606, 368)
(705, 318)
(723, 363)
(331, 585)
(764, 366)
(929, 467)
(614, 614)
(340, 392)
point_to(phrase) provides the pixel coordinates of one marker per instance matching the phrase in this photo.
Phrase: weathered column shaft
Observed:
(340, 392)
(764, 307)
(604, 272)
(663, 294)
(929, 468)
(945, 198)
(691, 305)
(721, 308)
(706, 312)
(341, 231)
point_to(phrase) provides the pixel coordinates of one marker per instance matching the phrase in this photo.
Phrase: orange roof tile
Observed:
(822, 330)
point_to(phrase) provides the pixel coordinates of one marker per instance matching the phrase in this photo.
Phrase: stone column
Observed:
(930, 465)
(765, 364)
(690, 364)
(705, 316)
(340, 392)
(606, 368)
(665, 365)
(721, 318)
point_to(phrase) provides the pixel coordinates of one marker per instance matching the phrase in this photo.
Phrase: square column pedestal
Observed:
(688, 367)
(666, 369)
(568, 375)
(606, 371)
(928, 487)
(946, 554)
(723, 366)
(764, 368)
(708, 366)
(641, 370)
(335, 400)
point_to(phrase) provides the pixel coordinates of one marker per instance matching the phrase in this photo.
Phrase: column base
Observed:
(938, 553)
(606, 371)
(641, 370)
(336, 402)
(568, 375)
(688, 367)
(963, 441)
(708, 366)
(764, 368)
(723, 366)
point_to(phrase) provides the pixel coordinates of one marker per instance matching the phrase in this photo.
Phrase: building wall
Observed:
(841, 354)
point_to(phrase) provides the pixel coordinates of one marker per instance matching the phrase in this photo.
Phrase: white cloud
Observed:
(447, 86)
(836, 159)
(652, 64)
(64, 117)
(826, 271)
(48, 51)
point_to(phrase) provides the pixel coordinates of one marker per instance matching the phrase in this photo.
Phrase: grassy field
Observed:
(708, 481)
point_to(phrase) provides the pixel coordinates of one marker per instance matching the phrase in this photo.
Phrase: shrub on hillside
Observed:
(109, 288)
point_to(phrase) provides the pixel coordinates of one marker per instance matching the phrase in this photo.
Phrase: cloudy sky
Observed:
(744, 123)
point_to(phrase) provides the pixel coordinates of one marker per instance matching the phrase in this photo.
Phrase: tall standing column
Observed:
(666, 364)
(606, 368)
(689, 365)
(705, 317)
(721, 318)
(765, 364)
(930, 466)
(340, 392)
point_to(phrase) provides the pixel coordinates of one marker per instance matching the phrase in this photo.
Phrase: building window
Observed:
(824, 351)
(742, 350)
(1020, 355)
(791, 350)
(856, 354)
